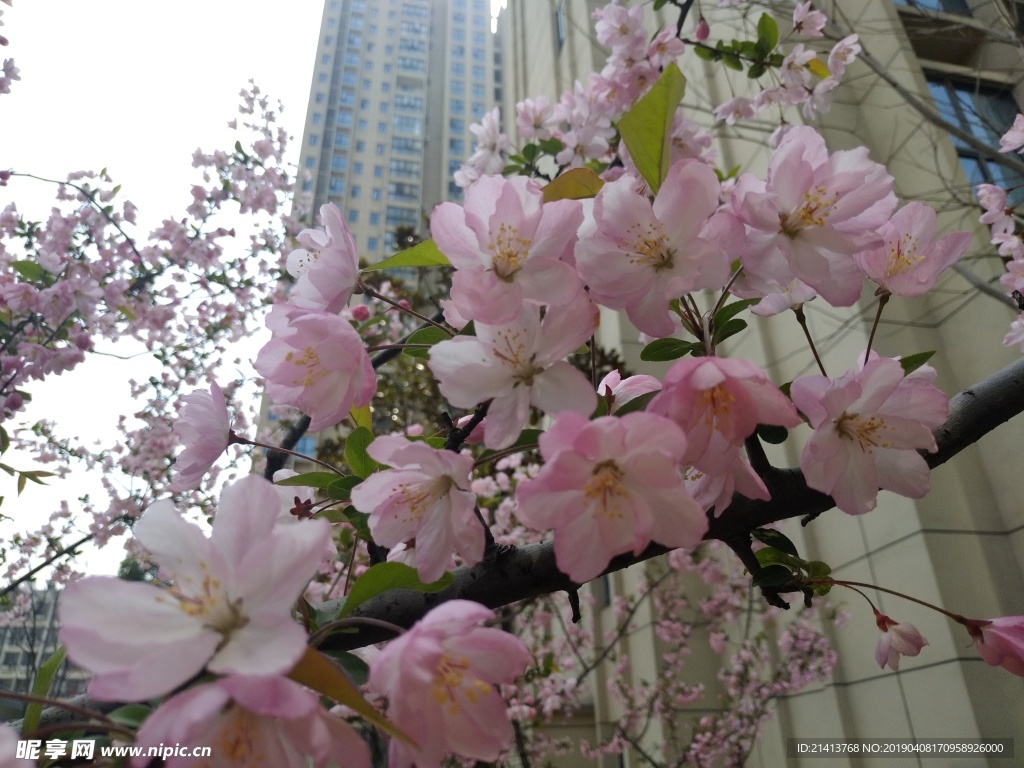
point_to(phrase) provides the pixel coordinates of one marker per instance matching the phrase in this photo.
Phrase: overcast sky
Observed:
(135, 87)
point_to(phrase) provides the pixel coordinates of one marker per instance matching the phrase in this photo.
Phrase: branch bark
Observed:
(520, 573)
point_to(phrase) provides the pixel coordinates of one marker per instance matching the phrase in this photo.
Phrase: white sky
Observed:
(134, 86)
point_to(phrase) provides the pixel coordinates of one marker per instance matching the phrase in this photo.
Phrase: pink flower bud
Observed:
(702, 31)
(897, 639)
(360, 313)
(83, 341)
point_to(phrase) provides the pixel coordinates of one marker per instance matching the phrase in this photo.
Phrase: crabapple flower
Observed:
(610, 486)
(719, 402)
(868, 428)
(249, 721)
(440, 680)
(807, 21)
(620, 391)
(326, 268)
(842, 53)
(535, 118)
(204, 428)
(702, 30)
(227, 609)
(638, 257)
(518, 365)
(910, 259)
(507, 246)
(425, 496)
(996, 216)
(491, 143)
(812, 214)
(316, 362)
(1013, 138)
(897, 639)
(1000, 642)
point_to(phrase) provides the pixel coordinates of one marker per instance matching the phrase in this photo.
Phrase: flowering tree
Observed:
(415, 535)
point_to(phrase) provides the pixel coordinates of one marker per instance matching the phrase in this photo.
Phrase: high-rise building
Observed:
(962, 546)
(396, 86)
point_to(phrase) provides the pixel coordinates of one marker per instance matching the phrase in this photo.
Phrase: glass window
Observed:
(353, 216)
(383, 106)
(360, 146)
(458, 107)
(405, 168)
(364, 103)
(371, 244)
(367, 84)
(380, 149)
(459, 51)
(345, 119)
(387, 69)
(317, 118)
(376, 195)
(319, 98)
(331, 22)
(357, 169)
(457, 125)
(479, 38)
(459, 35)
(347, 98)
(385, 87)
(321, 78)
(986, 113)
(958, 7)
(407, 124)
(363, 125)
(374, 218)
(329, 40)
(356, 190)
(479, 54)
(325, 59)
(368, 66)
(382, 127)
(458, 88)
(337, 186)
(349, 79)
(310, 162)
(458, 69)
(478, 91)
(457, 146)
(378, 171)
(314, 139)
(478, 110)
(402, 192)
(339, 163)
(341, 140)
(479, 73)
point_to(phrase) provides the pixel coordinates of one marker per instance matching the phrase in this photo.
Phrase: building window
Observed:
(458, 107)
(329, 40)
(458, 69)
(310, 162)
(374, 218)
(459, 35)
(339, 163)
(459, 51)
(345, 119)
(347, 98)
(387, 69)
(382, 127)
(958, 7)
(479, 54)
(371, 244)
(367, 84)
(384, 106)
(317, 118)
(380, 149)
(314, 139)
(479, 38)
(406, 124)
(478, 110)
(319, 98)
(458, 88)
(341, 140)
(376, 195)
(357, 169)
(337, 186)
(349, 79)
(356, 191)
(457, 125)
(385, 87)
(321, 78)
(364, 103)
(363, 125)
(368, 65)
(325, 59)
(478, 91)
(353, 216)
(378, 171)
(457, 147)
(986, 113)
(479, 73)
(560, 25)
(360, 146)
(408, 169)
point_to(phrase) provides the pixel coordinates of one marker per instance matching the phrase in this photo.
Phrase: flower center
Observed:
(508, 251)
(449, 681)
(309, 360)
(718, 402)
(868, 433)
(417, 497)
(903, 255)
(814, 212)
(649, 247)
(511, 350)
(605, 488)
(236, 739)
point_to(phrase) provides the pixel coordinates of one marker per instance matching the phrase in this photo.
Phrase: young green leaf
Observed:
(358, 459)
(775, 540)
(911, 363)
(310, 479)
(379, 578)
(424, 254)
(662, 350)
(647, 125)
(429, 335)
(40, 687)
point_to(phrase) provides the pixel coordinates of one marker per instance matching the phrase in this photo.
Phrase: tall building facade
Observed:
(960, 60)
(396, 86)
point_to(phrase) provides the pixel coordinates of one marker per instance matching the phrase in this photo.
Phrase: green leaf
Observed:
(41, 687)
(731, 328)
(130, 715)
(732, 61)
(767, 32)
(729, 311)
(659, 4)
(528, 437)
(816, 569)
(552, 146)
(708, 54)
(5, 440)
(636, 404)
(342, 487)
(661, 350)
(469, 329)
(354, 667)
(429, 335)
(425, 254)
(775, 540)
(531, 152)
(359, 521)
(771, 556)
(577, 184)
(30, 270)
(773, 576)
(378, 579)
(772, 433)
(358, 459)
(361, 417)
(911, 363)
(310, 479)
(815, 66)
(756, 70)
(646, 127)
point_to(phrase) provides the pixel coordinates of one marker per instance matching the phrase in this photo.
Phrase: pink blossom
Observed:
(610, 486)
(719, 402)
(997, 215)
(440, 679)
(868, 428)
(1013, 138)
(326, 268)
(491, 143)
(425, 496)
(9, 739)
(897, 639)
(620, 391)
(252, 720)
(1016, 333)
(807, 21)
(507, 247)
(228, 608)
(638, 256)
(316, 362)
(910, 259)
(360, 313)
(518, 365)
(814, 211)
(1000, 642)
(204, 428)
(735, 109)
(842, 53)
(535, 118)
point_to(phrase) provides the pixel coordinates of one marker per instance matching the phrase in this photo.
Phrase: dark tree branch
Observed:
(529, 571)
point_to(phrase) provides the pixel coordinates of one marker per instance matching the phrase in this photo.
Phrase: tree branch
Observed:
(529, 571)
